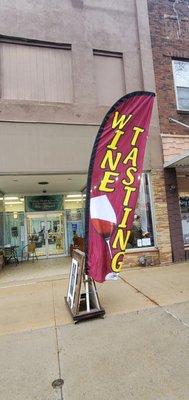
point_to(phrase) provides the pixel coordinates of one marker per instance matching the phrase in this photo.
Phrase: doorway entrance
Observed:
(46, 230)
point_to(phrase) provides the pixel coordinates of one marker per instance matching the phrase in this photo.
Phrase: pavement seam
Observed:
(32, 282)
(139, 291)
(57, 342)
(155, 302)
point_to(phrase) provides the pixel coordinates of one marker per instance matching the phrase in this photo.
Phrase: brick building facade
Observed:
(169, 29)
(52, 109)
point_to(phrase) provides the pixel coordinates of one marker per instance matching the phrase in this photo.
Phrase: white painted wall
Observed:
(27, 147)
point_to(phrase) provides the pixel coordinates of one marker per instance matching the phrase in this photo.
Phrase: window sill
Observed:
(186, 112)
(141, 249)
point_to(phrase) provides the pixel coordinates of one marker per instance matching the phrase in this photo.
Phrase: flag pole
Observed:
(178, 122)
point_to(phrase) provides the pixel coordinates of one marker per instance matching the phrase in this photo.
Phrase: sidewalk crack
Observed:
(57, 342)
(175, 317)
(155, 302)
(139, 291)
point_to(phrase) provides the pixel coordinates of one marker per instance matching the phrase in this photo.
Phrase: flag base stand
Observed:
(82, 298)
(89, 306)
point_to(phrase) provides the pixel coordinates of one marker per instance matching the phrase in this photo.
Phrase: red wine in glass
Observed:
(103, 217)
(104, 228)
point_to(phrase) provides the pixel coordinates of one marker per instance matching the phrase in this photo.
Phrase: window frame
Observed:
(34, 42)
(105, 53)
(181, 110)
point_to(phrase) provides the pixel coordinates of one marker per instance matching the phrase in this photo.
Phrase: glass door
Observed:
(46, 230)
(36, 232)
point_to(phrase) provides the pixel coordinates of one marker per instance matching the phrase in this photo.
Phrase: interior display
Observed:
(74, 222)
(184, 207)
(142, 229)
(14, 231)
(1, 229)
(46, 230)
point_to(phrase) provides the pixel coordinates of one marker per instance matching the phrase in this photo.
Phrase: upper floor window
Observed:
(109, 76)
(36, 72)
(181, 80)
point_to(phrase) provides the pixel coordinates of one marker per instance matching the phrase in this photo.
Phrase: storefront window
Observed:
(184, 207)
(14, 232)
(142, 230)
(73, 204)
(13, 204)
(1, 220)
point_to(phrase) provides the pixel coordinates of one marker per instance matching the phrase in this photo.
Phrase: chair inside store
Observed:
(78, 244)
(10, 254)
(29, 252)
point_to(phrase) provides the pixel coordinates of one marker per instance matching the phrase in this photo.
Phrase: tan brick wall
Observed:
(174, 146)
(161, 217)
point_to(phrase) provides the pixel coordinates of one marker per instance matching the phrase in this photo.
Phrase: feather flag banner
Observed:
(113, 182)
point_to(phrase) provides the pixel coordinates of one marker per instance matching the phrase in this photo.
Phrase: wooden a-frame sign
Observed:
(86, 305)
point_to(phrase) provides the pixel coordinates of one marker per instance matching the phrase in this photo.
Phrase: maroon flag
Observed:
(113, 182)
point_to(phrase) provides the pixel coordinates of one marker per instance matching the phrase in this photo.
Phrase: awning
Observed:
(178, 161)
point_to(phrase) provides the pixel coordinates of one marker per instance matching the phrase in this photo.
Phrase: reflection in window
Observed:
(142, 230)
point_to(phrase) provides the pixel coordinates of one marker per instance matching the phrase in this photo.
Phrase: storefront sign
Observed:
(44, 203)
(113, 182)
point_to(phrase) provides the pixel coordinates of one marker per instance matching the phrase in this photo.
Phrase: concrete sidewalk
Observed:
(139, 351)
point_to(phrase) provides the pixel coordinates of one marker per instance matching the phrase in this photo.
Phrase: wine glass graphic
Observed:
(103, 217)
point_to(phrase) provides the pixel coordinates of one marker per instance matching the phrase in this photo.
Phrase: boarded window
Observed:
(36, 73)
(109, 75)
(181, 80)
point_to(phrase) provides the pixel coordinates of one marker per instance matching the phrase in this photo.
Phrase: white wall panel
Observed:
(37, 147)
